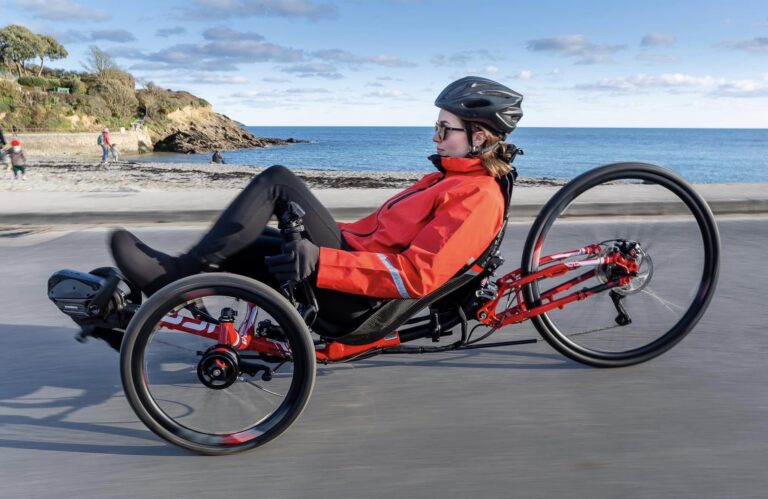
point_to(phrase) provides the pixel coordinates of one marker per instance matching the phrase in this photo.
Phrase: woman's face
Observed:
(455, 142)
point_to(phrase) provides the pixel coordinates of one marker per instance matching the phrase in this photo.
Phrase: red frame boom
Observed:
(247, 338)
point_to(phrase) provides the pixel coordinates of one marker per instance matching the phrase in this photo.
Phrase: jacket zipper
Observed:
(390, 205)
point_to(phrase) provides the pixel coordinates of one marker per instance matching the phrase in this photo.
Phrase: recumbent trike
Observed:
(220, 363)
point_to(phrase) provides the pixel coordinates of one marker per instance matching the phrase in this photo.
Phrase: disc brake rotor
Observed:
(607, 272)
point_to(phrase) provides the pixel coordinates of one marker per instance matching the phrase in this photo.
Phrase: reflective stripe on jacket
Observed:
(419, 238)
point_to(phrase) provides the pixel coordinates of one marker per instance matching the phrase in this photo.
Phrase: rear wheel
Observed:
(211, 398)
(674, 240)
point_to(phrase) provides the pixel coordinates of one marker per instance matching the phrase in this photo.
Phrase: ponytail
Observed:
(496, 155)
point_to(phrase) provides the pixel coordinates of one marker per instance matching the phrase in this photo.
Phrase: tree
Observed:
(51, 49)
(98, 61)
(149, 99)
(120, 100)
(18, 45)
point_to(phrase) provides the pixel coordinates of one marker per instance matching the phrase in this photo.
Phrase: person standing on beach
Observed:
(18, 160)
(5, 158)
(105, 144)
(408, 248)
(115, 152)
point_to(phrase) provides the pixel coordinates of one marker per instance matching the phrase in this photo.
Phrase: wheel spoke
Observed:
(194, 392)
(666, 303)
(675, 244)
(264, 389)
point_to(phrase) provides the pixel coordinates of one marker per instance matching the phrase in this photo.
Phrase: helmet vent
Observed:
(475, 103)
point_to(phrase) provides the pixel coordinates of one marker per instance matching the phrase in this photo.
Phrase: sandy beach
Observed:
(67, 174)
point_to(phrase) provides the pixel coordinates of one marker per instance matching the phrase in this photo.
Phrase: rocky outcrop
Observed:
(199, 130)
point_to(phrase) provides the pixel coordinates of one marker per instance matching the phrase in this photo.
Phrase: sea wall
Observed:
(82, 144)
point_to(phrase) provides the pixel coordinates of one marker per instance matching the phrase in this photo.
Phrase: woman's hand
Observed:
(297, 261)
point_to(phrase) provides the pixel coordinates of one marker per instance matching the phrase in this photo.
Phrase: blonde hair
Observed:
(498, 155)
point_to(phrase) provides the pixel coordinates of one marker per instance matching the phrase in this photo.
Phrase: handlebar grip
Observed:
(292, 236)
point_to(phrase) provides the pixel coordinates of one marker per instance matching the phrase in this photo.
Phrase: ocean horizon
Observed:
(701, 155)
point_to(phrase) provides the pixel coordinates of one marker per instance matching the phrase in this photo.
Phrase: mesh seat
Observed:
(394, 313)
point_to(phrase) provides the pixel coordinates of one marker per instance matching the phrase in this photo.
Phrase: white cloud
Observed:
(222, 50)
(657, 39)
(224, 9)
(642, 81)
(275, 79)
(113, 35)
(757, 45)
(744, 88)
(389, 93)
(280, 92)
(465, 57)
(675, 82)
(224, 33)
(314, 69)
(216, 79)
(61, 10)
(526, 74)
(339, 56)
(166, 32)
(658, 58)
(575, 46)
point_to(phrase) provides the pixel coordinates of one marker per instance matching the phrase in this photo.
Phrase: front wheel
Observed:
(205, 396)
(672, 234)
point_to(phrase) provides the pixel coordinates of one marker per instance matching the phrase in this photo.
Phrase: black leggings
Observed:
(240, 239)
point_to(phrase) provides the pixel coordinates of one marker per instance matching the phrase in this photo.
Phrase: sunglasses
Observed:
(442, 130)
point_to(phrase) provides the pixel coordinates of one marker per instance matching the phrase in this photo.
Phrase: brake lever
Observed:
(291, 226)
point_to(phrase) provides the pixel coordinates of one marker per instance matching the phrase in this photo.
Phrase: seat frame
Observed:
(460, 292)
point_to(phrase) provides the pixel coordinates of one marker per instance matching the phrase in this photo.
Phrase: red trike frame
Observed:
(245, 337)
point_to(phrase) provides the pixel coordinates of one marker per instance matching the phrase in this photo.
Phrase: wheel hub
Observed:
(219, 368)
(632, 252)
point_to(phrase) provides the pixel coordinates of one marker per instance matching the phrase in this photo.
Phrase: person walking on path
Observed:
(105, 144)
(115, 152)
(18, 160)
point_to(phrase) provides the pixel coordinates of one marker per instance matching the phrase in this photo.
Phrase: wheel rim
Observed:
(165, 374)
(679, 237)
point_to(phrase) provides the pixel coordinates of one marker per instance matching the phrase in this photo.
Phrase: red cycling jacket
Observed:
(419, 238)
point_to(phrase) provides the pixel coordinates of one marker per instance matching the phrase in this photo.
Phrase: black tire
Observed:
(159, 369)
(677, 229)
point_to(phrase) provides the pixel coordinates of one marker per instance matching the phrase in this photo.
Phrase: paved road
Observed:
(506, 422)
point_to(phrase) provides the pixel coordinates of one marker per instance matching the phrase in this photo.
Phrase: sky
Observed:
(382, 63)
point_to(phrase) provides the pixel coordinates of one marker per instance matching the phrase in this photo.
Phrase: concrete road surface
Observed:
(510, 422)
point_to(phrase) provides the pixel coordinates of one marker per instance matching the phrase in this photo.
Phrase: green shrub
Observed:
(11, 89)
(34, 81)
(119, 99)
(123, 77)
(75, 85)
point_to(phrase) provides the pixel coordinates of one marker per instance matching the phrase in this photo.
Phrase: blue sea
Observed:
(699, 155)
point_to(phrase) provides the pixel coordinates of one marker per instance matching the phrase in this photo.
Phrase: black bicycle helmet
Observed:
(484, 101)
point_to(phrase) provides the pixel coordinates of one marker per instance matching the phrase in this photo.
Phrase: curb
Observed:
(523, 211)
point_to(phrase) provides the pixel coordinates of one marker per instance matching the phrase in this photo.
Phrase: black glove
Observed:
(297, 261)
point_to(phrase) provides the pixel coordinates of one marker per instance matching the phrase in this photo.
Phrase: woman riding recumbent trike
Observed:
(219, 363)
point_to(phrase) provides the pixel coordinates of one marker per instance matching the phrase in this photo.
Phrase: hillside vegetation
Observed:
(36, 98)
